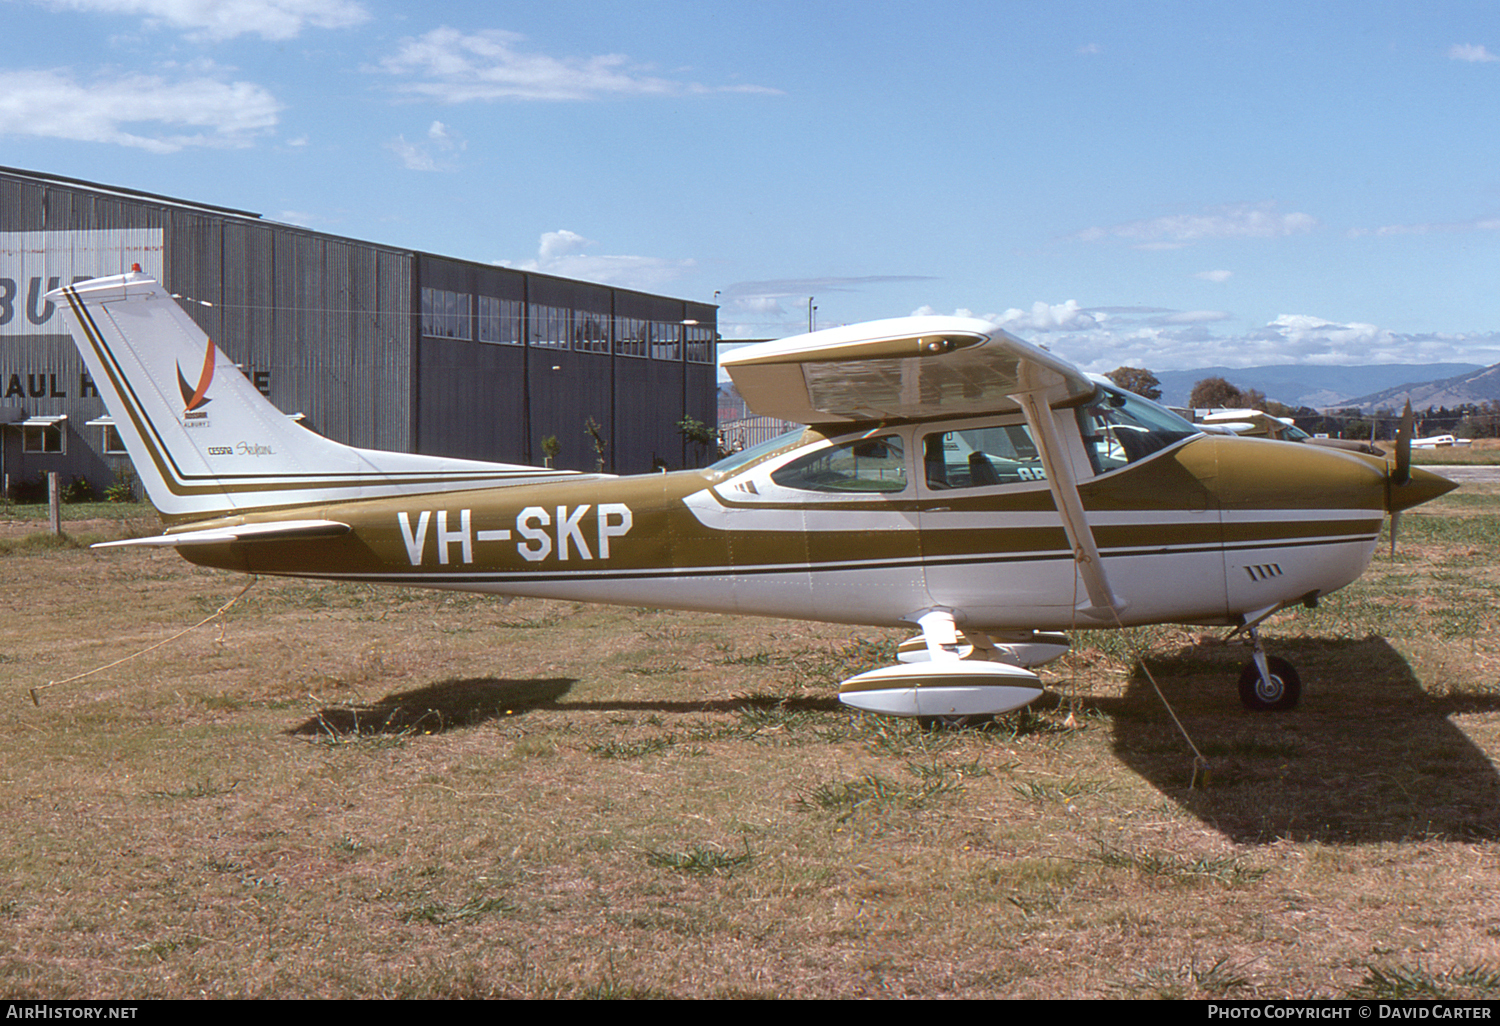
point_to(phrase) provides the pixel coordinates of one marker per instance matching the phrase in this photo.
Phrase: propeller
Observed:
(1401, 472)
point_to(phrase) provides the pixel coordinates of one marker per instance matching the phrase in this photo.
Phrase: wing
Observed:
(910, 368)
(929, 368)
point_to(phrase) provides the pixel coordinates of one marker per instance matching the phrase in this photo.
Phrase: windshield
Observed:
(745, 457)
(1120, 428)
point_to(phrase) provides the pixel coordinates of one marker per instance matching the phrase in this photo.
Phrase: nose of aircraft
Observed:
(1421, 486)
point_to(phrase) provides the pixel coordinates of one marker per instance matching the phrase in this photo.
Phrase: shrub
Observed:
(78, 490)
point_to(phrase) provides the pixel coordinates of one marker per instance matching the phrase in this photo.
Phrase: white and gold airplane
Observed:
(950, 476)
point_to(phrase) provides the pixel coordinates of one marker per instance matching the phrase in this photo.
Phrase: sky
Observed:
(1154, 184)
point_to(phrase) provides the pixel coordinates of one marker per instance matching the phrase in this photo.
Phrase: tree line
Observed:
(1469, 420)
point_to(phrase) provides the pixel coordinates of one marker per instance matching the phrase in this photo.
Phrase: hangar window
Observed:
(114, 445)
(44, 434)
(700, 343)
(550, 326)
(499, 321)
(445, 314)
(630, 336)
(590, 332)
(666, 340)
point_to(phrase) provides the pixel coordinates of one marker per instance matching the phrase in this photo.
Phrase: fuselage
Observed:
(878, 525)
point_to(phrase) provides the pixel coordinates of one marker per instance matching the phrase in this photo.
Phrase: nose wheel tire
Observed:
(1282, 692)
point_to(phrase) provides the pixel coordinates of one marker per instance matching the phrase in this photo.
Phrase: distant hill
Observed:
(1316, 385)
(1480, 386)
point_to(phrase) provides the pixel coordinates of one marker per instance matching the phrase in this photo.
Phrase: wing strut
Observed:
(1104, 604)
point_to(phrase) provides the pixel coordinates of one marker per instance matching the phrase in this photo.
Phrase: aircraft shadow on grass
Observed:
(452, 704)
(439, 707)
(1369, 756)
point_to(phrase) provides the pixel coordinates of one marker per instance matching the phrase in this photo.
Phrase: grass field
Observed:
(348, 792)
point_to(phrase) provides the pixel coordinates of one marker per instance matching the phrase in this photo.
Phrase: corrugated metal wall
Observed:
(332, 328)
(495, 401)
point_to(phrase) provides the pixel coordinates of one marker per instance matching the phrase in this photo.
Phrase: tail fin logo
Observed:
(196, 398)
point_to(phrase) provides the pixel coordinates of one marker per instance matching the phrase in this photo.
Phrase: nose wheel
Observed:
(1282, 691)
(1269, 684)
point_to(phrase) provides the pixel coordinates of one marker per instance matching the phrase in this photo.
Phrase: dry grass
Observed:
(351, 792)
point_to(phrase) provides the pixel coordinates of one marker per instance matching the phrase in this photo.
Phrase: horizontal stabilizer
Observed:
(281, 531)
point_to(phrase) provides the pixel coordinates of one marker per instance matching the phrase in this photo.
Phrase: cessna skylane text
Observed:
(950, 476)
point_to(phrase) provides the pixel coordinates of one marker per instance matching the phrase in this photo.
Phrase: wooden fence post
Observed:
(54, 502)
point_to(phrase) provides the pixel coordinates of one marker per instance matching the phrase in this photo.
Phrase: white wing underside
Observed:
(910, 368)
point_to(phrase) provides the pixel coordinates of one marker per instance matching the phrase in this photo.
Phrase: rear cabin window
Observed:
(866, 465)
(981, 457)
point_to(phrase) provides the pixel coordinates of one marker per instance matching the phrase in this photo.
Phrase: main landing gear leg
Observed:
(1268, 684)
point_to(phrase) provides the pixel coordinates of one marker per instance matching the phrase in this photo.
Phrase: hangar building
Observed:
(371, 345)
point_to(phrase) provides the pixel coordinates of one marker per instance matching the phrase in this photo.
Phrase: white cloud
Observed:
(1231, 221)
(1470, 52)
(433, 155)
(563, 253)
(1044, 317)
(454, 67)
(560, 245)
(1168, 343)
(926, 310)
(1090, 48)
(214, 20)
(194, 112)
(1488, 224)
(445, 137)
(412, 156)
(1100, 339)
(1215, 276)
(1193, 317)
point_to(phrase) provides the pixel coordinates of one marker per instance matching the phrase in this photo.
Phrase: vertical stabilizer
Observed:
(204, 441)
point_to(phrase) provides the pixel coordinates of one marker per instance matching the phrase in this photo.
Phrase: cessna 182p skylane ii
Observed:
(950, 476)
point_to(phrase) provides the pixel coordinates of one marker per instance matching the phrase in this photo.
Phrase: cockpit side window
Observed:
(1120, 428)
(981, 457)
(866, 465)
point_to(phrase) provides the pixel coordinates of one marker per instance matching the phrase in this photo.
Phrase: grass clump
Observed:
(439, 914)
(1416, 983)
(699, 859)
(872, 792)
(634, 749)
(1226, 870)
